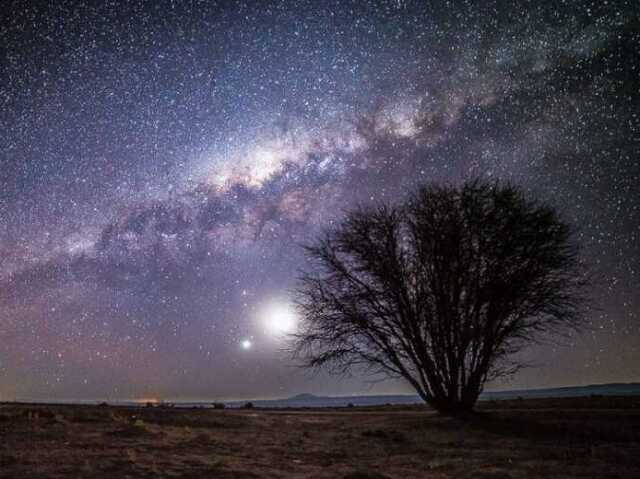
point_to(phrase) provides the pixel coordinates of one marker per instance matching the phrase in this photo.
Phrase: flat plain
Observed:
(550, 438)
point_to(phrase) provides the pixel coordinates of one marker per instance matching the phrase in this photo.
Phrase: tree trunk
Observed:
(456, 405)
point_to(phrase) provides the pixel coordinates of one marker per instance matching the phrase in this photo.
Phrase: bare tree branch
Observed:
(442, 290)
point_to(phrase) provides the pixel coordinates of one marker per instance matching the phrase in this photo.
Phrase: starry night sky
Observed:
(161, 162)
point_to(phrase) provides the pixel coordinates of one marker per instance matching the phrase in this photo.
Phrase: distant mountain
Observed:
(610, 389)
(303, 397)
(312, 401)
(306, 400)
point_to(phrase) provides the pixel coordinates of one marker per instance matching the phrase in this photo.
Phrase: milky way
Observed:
(161, 163)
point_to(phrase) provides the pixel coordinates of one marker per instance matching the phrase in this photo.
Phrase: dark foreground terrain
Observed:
(574, 437)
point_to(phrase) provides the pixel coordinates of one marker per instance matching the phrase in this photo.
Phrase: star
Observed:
(162, 167)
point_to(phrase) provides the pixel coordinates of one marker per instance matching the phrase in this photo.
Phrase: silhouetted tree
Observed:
(441, 290)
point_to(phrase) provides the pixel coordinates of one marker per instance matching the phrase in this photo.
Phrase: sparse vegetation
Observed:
(577, 437)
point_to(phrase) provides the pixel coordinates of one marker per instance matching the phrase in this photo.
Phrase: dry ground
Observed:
(589, 437)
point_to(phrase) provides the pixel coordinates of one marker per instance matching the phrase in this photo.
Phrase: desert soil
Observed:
(560, 438)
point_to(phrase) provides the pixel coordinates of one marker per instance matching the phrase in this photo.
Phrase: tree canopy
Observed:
(442, 290)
